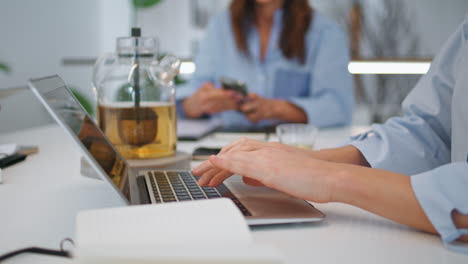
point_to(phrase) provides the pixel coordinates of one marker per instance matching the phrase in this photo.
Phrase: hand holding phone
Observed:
(234, 85)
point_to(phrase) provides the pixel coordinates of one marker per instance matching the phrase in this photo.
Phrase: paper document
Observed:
(203, 231)
(232, 136)
(196, 129)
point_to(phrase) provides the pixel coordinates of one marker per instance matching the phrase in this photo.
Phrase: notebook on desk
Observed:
(260, 205)
(194, 129)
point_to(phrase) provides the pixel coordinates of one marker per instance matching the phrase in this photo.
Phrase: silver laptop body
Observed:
(260, 205)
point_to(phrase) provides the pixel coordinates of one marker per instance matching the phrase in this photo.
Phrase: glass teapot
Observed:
(136, 98)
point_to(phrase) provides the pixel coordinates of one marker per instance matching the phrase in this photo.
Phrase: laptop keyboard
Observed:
(173, 186)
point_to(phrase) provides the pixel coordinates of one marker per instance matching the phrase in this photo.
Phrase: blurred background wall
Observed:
(35, 38)
(65, 36)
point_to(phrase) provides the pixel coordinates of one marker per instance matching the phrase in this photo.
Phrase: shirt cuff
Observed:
(439, 192)
(370, 146)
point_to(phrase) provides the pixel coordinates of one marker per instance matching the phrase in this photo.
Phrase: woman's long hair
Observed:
(297, 16)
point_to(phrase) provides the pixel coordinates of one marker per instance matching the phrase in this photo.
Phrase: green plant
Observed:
(83, 101)
(145, 3)
(4, 67)
(178, 80)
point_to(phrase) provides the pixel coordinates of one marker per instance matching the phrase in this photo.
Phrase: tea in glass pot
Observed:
(136, 98)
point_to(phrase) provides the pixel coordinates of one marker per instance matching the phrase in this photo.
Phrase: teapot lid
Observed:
(136, 45)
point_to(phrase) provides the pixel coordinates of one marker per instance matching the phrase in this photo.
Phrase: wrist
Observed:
(275, 108)
(460, 221)
(340, 185)
(346, 186)
(348, 154)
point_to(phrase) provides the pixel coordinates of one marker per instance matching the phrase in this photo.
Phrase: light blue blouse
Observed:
(322, 86)
(430, 141)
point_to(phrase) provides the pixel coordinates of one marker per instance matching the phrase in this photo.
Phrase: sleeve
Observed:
(420, 140)
(330, 101)
(440, 191)
(205, 61)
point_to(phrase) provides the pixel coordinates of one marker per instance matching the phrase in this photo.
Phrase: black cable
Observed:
(44, 251)
(37, 250)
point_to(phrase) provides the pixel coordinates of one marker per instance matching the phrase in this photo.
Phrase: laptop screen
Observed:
(63, 106)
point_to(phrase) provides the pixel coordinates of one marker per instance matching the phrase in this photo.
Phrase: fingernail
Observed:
(210, 184)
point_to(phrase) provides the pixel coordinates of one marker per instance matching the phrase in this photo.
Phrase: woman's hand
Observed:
(209, 100)
(287, 169)
(217, 175)
(257, 108)
(298, 173)
(213, 176)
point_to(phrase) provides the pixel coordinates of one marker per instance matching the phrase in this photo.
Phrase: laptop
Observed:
(259, 205)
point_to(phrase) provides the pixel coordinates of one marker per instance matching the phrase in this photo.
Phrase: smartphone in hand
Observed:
(234, 85)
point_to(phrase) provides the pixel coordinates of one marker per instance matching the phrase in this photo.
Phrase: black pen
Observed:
(11, 159)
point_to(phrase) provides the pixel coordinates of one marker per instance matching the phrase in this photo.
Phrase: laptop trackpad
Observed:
(263, 202)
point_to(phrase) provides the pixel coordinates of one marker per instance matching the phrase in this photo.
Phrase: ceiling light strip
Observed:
(388, 67)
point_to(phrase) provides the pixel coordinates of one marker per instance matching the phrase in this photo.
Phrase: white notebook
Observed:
(195, 129)
(204, 231)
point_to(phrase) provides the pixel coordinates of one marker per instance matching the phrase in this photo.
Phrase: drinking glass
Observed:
(298, 135)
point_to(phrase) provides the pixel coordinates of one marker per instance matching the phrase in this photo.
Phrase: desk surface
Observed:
(39, 200)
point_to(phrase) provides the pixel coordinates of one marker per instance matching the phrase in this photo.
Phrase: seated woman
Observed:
(293, 60)
(429, 143)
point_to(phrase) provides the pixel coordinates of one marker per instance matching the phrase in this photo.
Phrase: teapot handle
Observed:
(166, 70)
(99, 71)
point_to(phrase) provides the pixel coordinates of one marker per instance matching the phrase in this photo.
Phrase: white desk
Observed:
(41, 196)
